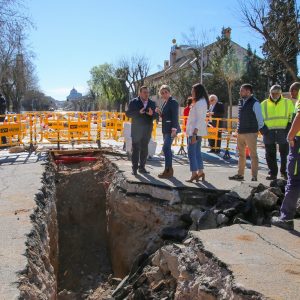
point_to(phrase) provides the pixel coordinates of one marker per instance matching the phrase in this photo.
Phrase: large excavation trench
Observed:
(89, 231)
(83, 258)
(92, 227)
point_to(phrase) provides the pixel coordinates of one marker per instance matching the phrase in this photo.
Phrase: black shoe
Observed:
(284, 224)
(284, 176)
(271, 177)
(143, 171)
(236, 177)
(254, 178)
(218, 151)
(134, 172)
(211, 151)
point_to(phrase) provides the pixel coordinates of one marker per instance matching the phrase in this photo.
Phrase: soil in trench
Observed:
(84, 263)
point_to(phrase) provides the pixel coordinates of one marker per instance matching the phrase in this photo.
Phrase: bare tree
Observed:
(255, 15)
(197, 42)
(181, 83)
(16, 69)
(134, 70)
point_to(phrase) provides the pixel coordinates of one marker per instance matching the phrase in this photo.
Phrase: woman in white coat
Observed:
(196, 128)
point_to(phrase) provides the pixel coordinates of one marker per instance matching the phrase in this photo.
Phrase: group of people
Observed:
(143, 111)
(273, 118)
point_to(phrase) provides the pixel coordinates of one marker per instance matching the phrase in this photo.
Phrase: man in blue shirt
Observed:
(250, 121)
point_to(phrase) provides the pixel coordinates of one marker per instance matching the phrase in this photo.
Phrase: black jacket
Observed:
(142, 124)
(169, 115)
(2, 105)
(219, 111)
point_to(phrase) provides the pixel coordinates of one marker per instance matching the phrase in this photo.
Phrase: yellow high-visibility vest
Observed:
(277, 114)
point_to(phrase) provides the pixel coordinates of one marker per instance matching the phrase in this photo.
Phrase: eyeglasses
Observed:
(164, 92)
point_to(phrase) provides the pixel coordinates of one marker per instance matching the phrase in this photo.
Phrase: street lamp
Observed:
(196, 50)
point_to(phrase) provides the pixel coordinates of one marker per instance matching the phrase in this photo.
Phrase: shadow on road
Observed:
(22, 158)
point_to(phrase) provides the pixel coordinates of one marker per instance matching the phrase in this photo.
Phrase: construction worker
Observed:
(277, 113)
(292, 189)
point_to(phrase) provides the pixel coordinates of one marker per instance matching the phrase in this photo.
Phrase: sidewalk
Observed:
(20, 177)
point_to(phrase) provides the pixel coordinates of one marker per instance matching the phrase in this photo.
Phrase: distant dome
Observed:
(74, 95)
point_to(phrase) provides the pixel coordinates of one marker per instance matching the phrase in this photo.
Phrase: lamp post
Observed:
(202, 74)
(196, 51)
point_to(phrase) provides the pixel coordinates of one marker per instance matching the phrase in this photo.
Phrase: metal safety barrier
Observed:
(11, 129)
(223, 131)
(58, 128)
(34, 128)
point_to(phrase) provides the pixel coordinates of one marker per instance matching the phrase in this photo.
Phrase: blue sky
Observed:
(72, 36)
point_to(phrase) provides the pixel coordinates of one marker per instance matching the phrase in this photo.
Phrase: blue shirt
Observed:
(258, 114)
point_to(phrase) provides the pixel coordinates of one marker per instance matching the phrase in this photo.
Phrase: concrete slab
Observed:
(262, 259)
(20, 178)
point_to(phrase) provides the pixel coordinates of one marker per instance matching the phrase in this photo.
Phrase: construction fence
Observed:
(56, 128)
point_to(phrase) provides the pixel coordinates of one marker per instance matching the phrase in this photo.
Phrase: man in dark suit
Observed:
(142, 112)
(2, 114)
(216, 110)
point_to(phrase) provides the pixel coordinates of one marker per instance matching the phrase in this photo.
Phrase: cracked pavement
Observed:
(262, 259)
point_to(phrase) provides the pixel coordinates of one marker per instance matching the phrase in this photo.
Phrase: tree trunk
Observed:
(229, 86)
(16, 106)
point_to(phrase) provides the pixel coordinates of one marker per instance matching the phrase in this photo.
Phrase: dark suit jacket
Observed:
(169, 116)
(2, 105)
(219, 112)
(142, 124)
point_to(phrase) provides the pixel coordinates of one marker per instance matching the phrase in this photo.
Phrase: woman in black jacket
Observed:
(170, 127)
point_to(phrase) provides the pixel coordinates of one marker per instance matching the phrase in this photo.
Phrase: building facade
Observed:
(187, 58)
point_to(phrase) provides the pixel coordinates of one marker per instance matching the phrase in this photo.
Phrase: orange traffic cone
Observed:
(247, 151)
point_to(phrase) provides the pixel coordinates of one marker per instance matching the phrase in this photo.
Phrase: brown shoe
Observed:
(161, 175)
(167, 173)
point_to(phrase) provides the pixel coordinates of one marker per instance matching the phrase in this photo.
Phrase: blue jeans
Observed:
(194, 153)
(168, 140)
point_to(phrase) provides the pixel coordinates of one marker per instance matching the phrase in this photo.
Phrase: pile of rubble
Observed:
(245, 204)
(182, 269)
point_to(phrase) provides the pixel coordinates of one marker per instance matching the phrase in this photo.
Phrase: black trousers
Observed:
(272, 159)
(3, 138)
(140, 151)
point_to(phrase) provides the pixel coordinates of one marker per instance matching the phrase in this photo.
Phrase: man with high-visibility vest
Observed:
(292, 189)
(277, 113)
